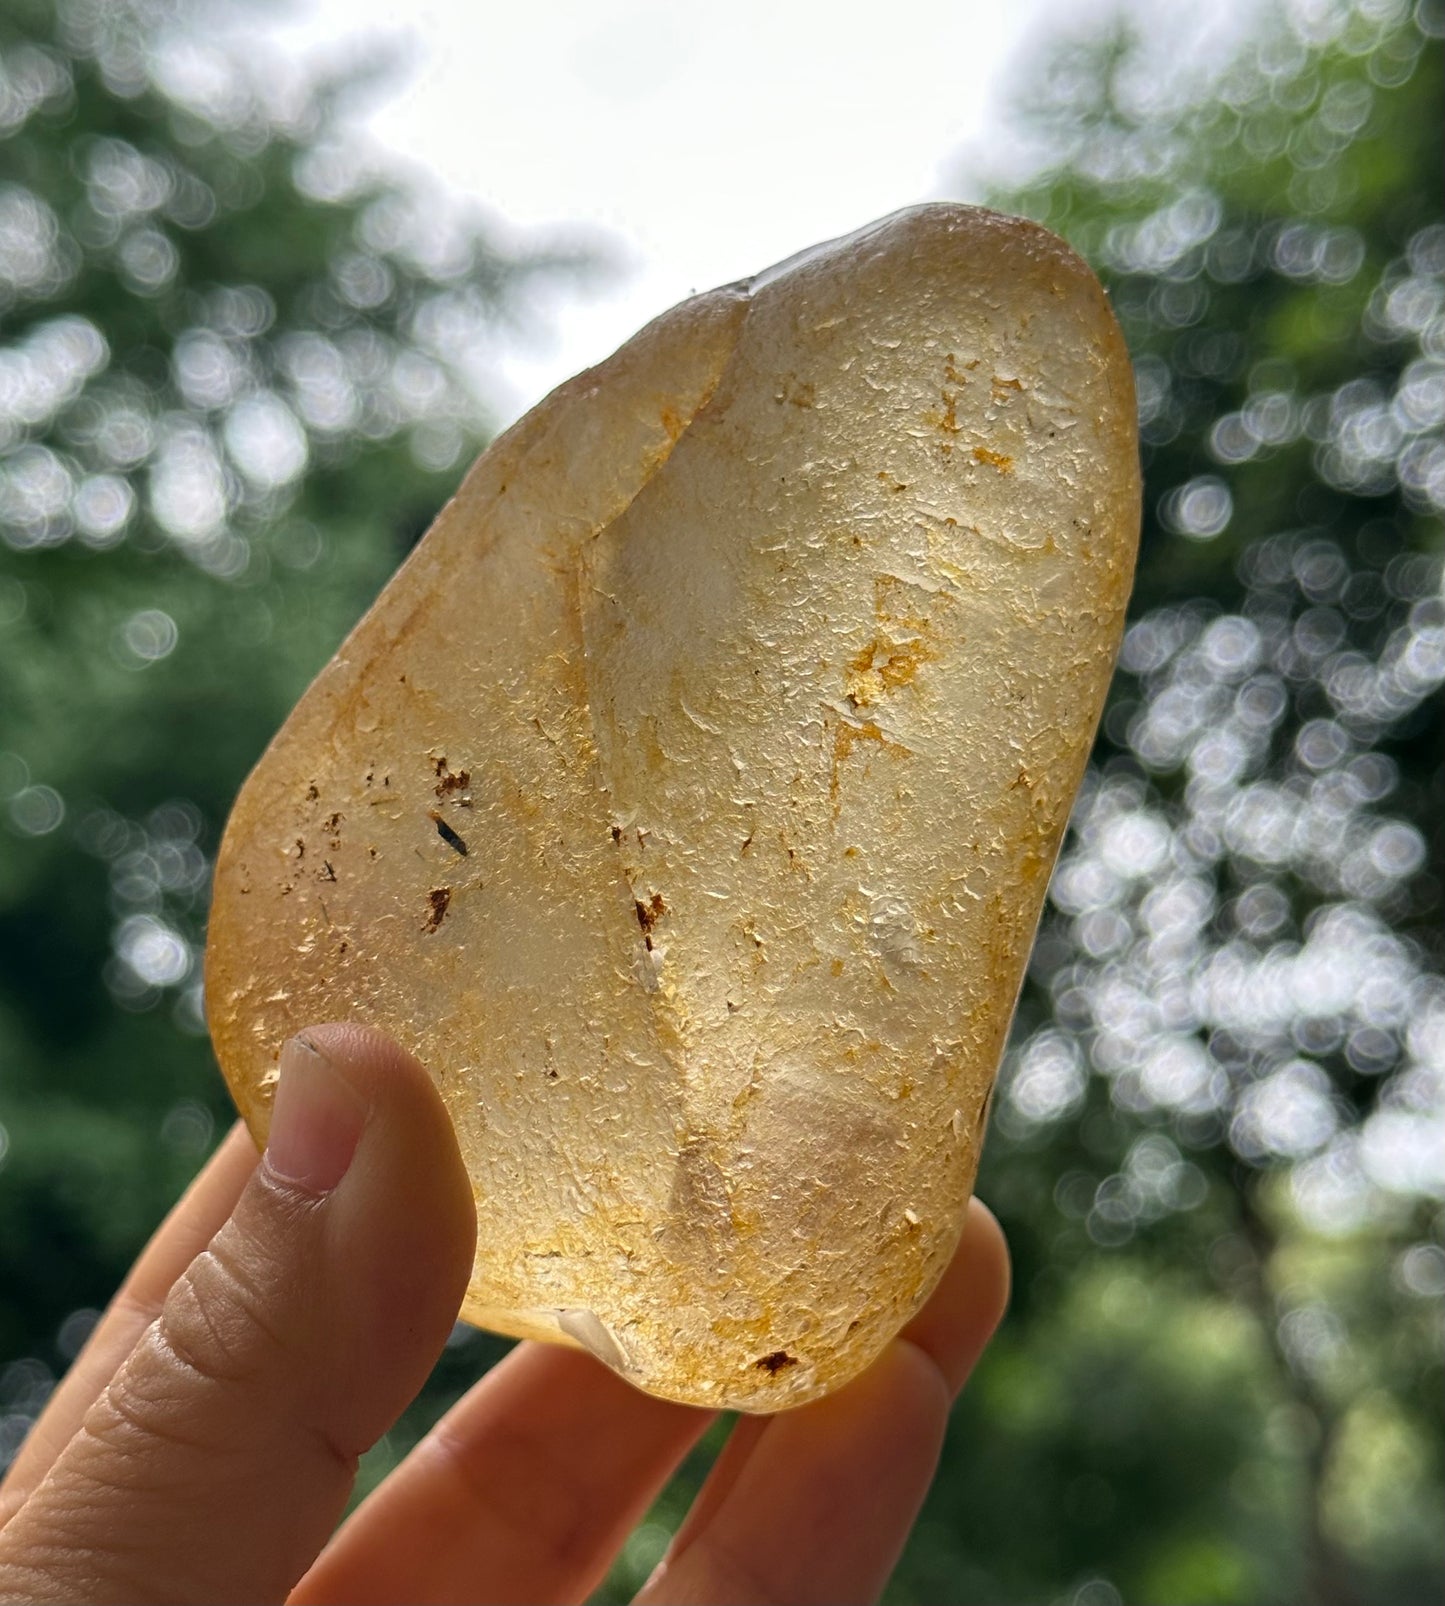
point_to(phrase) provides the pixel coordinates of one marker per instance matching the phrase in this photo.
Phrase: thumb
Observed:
(218, 1461)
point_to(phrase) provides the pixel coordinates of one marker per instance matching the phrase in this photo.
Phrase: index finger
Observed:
(189, 1227)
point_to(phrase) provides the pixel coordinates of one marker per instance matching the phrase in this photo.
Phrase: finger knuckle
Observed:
(229, 1325)
(221, 1321)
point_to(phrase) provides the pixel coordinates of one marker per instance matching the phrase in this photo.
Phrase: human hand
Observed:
(204, 1444)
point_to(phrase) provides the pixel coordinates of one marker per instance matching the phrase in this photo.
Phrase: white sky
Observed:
(707, 140)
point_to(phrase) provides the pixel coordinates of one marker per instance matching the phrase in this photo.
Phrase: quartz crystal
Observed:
(687, 801)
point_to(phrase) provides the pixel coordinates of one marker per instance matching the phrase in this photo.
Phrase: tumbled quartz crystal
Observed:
(687, 800)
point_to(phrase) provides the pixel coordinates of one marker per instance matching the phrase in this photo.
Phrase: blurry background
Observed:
(247, 350)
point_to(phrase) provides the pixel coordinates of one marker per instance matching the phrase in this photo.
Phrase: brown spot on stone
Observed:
(437, 901)
(449, 781)
(648, 914)
(1005, 465)
(776, 1362)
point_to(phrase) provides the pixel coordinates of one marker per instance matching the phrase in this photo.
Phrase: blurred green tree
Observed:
(239, 373)
(1219, 1145)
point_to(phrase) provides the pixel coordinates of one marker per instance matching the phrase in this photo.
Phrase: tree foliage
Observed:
(238, 375)
(1220, 1141)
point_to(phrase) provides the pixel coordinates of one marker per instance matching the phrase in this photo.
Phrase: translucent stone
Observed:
(687, 801)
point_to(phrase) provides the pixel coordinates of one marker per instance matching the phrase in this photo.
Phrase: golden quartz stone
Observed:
(687, 801)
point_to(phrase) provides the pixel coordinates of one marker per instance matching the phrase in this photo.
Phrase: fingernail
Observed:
(316, 1121)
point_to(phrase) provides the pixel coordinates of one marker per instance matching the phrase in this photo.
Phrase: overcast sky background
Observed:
(706, 141)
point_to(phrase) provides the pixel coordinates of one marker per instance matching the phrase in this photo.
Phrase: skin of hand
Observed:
(204, 1444)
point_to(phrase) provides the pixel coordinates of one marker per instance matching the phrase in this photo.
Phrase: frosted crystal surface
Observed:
(687, 800)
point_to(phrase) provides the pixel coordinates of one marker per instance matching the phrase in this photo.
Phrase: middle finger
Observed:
(524, 1491)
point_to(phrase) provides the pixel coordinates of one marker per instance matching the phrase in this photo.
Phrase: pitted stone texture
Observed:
(687, 801)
